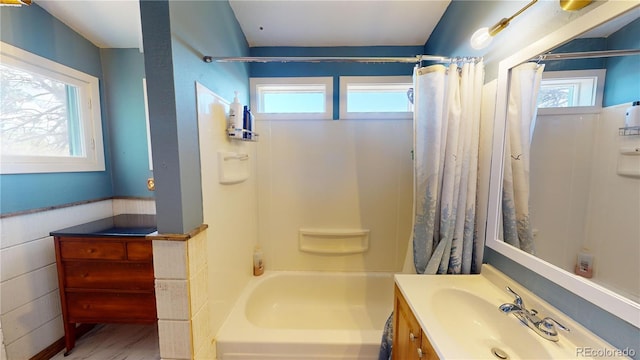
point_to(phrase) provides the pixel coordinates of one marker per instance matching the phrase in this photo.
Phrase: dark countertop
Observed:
(119, 225)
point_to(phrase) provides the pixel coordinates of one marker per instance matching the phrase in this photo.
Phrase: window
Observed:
(49, 116)
(292, 98)
(377, 97)
(576, 91)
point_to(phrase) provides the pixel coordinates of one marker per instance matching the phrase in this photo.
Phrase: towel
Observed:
(387, 340)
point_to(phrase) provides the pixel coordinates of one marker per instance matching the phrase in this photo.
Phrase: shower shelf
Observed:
(629, 131)
(333, 241)
(239, 134)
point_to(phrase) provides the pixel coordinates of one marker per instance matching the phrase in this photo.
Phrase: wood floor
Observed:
(116, 342)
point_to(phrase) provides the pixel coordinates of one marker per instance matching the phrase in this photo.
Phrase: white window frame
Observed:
(89, 113)
(256, 106)
(372, 80)
(148, 124)
(599, 74)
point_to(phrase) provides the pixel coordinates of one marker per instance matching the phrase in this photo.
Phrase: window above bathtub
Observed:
(375, 97)
(49, 116)
(571, 92)
(298, 98)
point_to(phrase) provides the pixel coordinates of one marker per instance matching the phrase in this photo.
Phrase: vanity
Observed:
(460, 317)
(105, 272)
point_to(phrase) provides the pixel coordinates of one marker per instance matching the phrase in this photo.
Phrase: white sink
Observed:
(460, 316)
(458, 311)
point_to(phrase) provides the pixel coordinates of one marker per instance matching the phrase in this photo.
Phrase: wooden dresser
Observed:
(104, 276)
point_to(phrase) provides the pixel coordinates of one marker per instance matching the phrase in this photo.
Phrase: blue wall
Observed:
(623, 73)
(451, 35)
(578, 45)
(176, 35)
(293, 69)
(124, 99)
(33, 29)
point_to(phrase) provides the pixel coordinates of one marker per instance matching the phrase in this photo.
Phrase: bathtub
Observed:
(308, 315)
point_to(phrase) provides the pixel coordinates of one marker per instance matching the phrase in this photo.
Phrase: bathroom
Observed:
(254, 211)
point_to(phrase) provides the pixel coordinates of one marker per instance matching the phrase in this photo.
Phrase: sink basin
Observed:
(459, 315)
(483, 326)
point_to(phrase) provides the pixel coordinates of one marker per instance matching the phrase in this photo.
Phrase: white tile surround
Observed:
(29, 300)
(182, 298)
(586, 203)
(351, 174)
(230, 210)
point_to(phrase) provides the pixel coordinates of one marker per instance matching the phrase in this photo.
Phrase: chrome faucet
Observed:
(545, 327)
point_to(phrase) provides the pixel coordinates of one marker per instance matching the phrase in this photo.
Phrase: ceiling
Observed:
(116, 23)
(106, 23)
(338, 23)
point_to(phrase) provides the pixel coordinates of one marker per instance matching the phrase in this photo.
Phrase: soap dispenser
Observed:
(236, 114)
(632, 115)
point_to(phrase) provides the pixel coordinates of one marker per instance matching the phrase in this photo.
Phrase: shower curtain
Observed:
(446, 130)
(446, 138)
(521, 118)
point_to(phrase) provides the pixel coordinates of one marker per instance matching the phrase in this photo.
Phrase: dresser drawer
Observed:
(103, 250)
(111, 307)
(108, 275)
(139, 250)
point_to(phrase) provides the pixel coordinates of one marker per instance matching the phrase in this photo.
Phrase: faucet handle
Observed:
(518, 299)
(550, 322)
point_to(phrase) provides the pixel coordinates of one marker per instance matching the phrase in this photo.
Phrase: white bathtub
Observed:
(308, 315)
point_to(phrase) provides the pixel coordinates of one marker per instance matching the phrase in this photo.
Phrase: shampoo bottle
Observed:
(248, 123)
(235, 113)
(258, 264)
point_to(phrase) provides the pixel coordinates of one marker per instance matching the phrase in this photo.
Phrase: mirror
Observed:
(583, 191)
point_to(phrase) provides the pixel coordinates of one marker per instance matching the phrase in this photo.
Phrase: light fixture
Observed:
(483, 36)
(573, 5)
(15, 2)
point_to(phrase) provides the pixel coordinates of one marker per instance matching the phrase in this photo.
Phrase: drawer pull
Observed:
(419, 353)
(91, 251)
(86, 306)
(84, 275)
(412, 337)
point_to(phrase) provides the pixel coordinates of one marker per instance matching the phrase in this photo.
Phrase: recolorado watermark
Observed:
(604, 352)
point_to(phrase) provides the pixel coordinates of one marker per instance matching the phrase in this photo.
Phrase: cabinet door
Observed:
(428, 352)
(407, 333)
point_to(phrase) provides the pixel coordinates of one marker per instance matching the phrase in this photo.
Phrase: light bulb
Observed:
(481, 38)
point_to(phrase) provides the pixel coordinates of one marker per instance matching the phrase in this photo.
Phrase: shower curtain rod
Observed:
(586, 55)
(318, 59)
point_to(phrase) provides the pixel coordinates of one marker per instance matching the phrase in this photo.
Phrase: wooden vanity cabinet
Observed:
(104, 280)
(409, 340)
